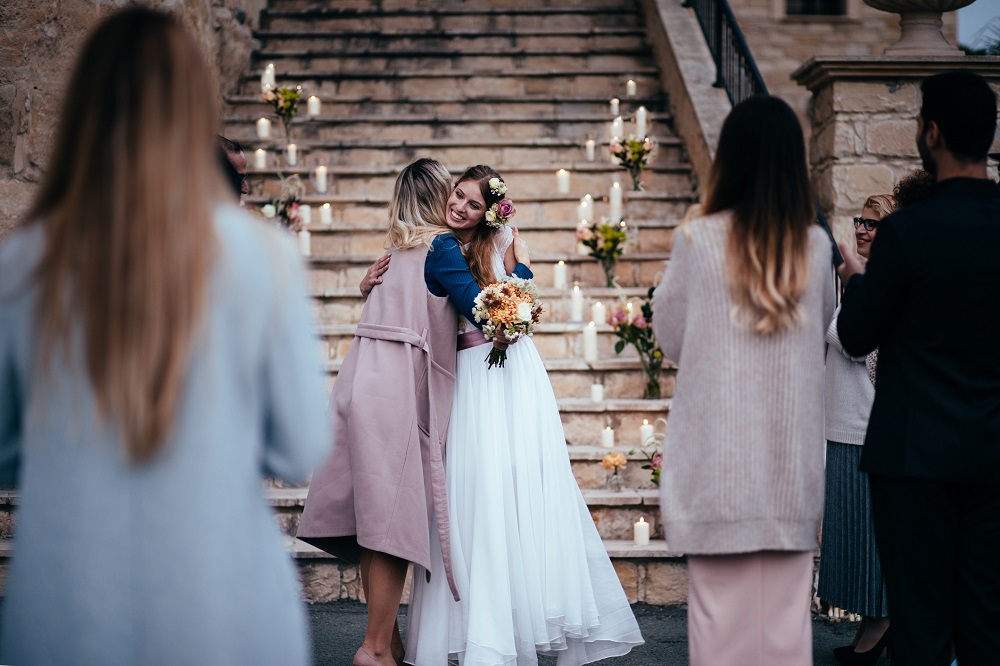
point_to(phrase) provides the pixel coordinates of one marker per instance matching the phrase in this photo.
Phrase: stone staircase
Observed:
(468, 82)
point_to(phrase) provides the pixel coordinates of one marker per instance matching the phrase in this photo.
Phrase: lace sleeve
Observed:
(502, 239)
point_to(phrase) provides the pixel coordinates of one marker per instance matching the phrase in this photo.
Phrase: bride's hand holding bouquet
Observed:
(510, 309)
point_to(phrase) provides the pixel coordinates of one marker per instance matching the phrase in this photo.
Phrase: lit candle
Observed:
(640, 533)
(615, 106)
(608, 438)
(263, 128)
(597, 392)
(576, 304)
(313, 105)
(305, 214)
(326, 214)
(267, 77)
(559, 275)
(630, 88)
(585, 211)
(617, 128)
(640, 121)
(615, 201)
(292, 154)
(260, 158)
(321, 184)
(597, 312)
(304, 242)
(645, 432)
(590, 343)
(562, 179)
(591, 147)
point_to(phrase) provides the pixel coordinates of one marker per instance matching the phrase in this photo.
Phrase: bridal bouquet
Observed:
(511, 310)
(286, 206)
(632, 153)
(636, 328)
(606, 242)
(285, 102)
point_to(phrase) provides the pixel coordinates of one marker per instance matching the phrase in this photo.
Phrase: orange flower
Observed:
(614, 461)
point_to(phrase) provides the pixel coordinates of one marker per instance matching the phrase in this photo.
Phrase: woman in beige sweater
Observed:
(743, 312)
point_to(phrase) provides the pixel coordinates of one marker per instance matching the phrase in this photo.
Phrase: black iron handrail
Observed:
(735, 69)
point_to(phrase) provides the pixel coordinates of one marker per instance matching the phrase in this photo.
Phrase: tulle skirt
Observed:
(530, 566)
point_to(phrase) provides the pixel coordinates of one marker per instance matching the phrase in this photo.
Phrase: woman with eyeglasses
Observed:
(850, 576)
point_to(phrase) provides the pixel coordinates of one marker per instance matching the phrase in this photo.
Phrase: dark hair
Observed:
(760, 175)
(480, 252)
(916, 185)
(227, 147)
(965, 109)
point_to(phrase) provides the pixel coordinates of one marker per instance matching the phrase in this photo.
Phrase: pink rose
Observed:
(584, 234)
(639, 321)
(657, 461)
(506, 209)
(618, 317)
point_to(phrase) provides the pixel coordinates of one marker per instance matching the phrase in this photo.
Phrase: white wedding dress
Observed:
(530, 566)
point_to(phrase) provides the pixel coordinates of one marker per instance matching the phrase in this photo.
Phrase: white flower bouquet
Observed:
(510, 309)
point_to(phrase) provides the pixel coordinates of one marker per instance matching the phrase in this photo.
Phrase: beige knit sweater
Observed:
(743, 459)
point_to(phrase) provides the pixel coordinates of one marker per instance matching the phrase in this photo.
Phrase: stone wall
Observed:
(863, 117)
(39, 42)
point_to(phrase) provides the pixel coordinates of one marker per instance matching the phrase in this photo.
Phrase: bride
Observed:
(531, 569)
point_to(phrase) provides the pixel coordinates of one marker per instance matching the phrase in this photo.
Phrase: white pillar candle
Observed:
(597, 312)
(562, 179)
(321, 184)
(292, 155)
(585, 211)
(645, 432)
(260, 158)
(267, 77)
(305, 214)
(559, 275)
(640, 121)
(313, 105)
(590, 343)
(617, 128)
(630, 88)
(615, 106)
(263, 128)
(615, 202)
(597, 392)
(591, 147)
(326, 214)
(576, 304)
(608, 438)
(640, 533)
(304, 242)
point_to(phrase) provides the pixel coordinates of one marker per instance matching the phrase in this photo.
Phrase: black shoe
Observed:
(848, 655)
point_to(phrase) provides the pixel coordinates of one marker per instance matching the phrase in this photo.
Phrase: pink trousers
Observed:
(750, 609)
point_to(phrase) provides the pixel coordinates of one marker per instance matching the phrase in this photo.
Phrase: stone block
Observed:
(892, 138)
(666, 583)
(629, 575)
(876, 97)
(320, 579)
(853, 183)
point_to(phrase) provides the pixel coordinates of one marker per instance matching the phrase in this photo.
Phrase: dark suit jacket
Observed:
(930, 301)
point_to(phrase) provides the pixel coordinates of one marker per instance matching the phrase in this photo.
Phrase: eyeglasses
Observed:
(869, 224)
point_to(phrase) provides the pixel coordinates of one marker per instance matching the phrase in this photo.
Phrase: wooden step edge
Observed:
(374, 75)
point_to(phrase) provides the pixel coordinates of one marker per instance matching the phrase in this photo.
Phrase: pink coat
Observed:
(385, 480)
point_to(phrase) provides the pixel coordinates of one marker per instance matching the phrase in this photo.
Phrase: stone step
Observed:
(622, 378)
(377, 152)
(445, 60)
(634, 269)
(613, 512)
(414, 127)
(461, 84)
(652, 236)
(450, 108)
(343, 306)
(412, 4)
(493, 20)
(530, 181)
(510, 41)
(589, 474)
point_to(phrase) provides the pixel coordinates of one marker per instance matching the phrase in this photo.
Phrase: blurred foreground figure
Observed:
(143, 396)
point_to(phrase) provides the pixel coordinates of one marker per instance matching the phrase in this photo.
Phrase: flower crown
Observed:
(499, 214)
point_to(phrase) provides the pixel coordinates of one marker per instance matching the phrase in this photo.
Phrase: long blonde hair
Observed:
(482, 244)
(127, 209)
(760, 175)
(418, 206)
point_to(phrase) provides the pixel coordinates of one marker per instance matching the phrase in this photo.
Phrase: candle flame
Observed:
(642, 520)
(645, 422)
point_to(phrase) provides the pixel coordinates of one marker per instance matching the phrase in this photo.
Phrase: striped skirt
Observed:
(850, 575)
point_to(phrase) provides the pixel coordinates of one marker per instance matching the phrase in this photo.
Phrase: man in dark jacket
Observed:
(929, 299)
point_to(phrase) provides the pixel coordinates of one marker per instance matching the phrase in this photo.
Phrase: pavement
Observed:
(339, 627)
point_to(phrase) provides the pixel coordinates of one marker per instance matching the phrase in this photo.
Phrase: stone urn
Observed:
(920, 25)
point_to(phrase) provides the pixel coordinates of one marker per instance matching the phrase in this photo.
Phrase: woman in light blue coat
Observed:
(157, 362)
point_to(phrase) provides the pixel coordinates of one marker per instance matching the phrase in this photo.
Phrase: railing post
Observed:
(720, 80)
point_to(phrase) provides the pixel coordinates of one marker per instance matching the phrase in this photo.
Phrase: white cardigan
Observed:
(849, 392)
